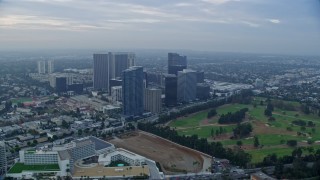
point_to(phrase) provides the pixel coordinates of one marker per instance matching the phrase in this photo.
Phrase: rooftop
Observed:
(99, 143)
(20, 167)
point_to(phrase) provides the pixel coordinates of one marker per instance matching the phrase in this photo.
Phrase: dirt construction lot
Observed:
(173, 158)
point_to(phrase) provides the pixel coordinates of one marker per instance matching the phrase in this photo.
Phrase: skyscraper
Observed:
(61, 84)
(119, 62)
(132, 90)
(176, 63)
(152, 100)
(50, 66)
(3, 159)
(101, 72)
(110, 66)
(171, 90)
(187, 85)
(41, 67)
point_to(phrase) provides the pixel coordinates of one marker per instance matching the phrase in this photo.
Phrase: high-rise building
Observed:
(187, 85)
(203, 91)
(200, 77)
(3, 158)
(176, 63)
(50, 66)
(110, 66)
(101, 71)
(132, 90)
(171, 83)
(152, 100)
(61, 84)
(114, 82)
(116, 94)
(41, 67)
(119, 62)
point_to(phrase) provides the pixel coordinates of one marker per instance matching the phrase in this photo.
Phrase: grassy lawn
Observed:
(205, 131)
(259, 154)
(21, 100)
(190, 121)
(19, 167)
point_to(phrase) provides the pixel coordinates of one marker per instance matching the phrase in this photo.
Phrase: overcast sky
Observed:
(267, 26)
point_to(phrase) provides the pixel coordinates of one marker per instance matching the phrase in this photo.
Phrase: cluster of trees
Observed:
(7, 107)
(303, 123)
(211, 113)
(292, 143)
(218, 131)
(189, 110)
(269, 109)
(283, 105)
(242, 130)
(235, 117)
(299, 168)
(237, 157)
(238, 98)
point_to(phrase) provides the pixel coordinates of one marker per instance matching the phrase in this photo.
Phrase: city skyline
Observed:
(208, 25)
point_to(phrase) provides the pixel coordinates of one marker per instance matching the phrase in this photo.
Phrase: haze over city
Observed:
(256, 26)
(166, 89)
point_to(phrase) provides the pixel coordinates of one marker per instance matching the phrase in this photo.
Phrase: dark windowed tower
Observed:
(171, 90)
(101, 71)
(176, 63)
(132, 91)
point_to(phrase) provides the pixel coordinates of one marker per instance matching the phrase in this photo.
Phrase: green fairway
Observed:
(272, 135)
(259, 154)
(205, 131)
(190, 121)
(19, 167)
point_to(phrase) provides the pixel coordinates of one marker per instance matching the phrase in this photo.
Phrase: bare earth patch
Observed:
(172, 157)
(261, 128)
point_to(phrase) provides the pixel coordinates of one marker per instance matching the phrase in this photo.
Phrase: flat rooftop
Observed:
(20, 167)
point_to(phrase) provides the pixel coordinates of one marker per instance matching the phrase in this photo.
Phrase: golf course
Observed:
(272, 132)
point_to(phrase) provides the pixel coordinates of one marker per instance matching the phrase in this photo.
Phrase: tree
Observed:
(80, 132)
(268, 112)
(65, 124)
(256, 142)
(292, 143)
(270, 107)
(239, 143)
(278, 170)
(211, 113)
(212, 132)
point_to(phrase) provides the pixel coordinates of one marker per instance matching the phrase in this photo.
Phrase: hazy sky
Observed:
(270, 26)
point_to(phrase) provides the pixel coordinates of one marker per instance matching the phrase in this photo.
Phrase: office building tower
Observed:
(50, 66)
(77, 88)
(3, 159)
(61, 84)
(171, 90)
(101, 72)
(132, 91)
(41, 67)
(176, 63)
(200, 77)
(116, 94)
(119, 62)
(114, 82)
(152, 100)
(175, 69)
(187, 85)
(203, 91)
